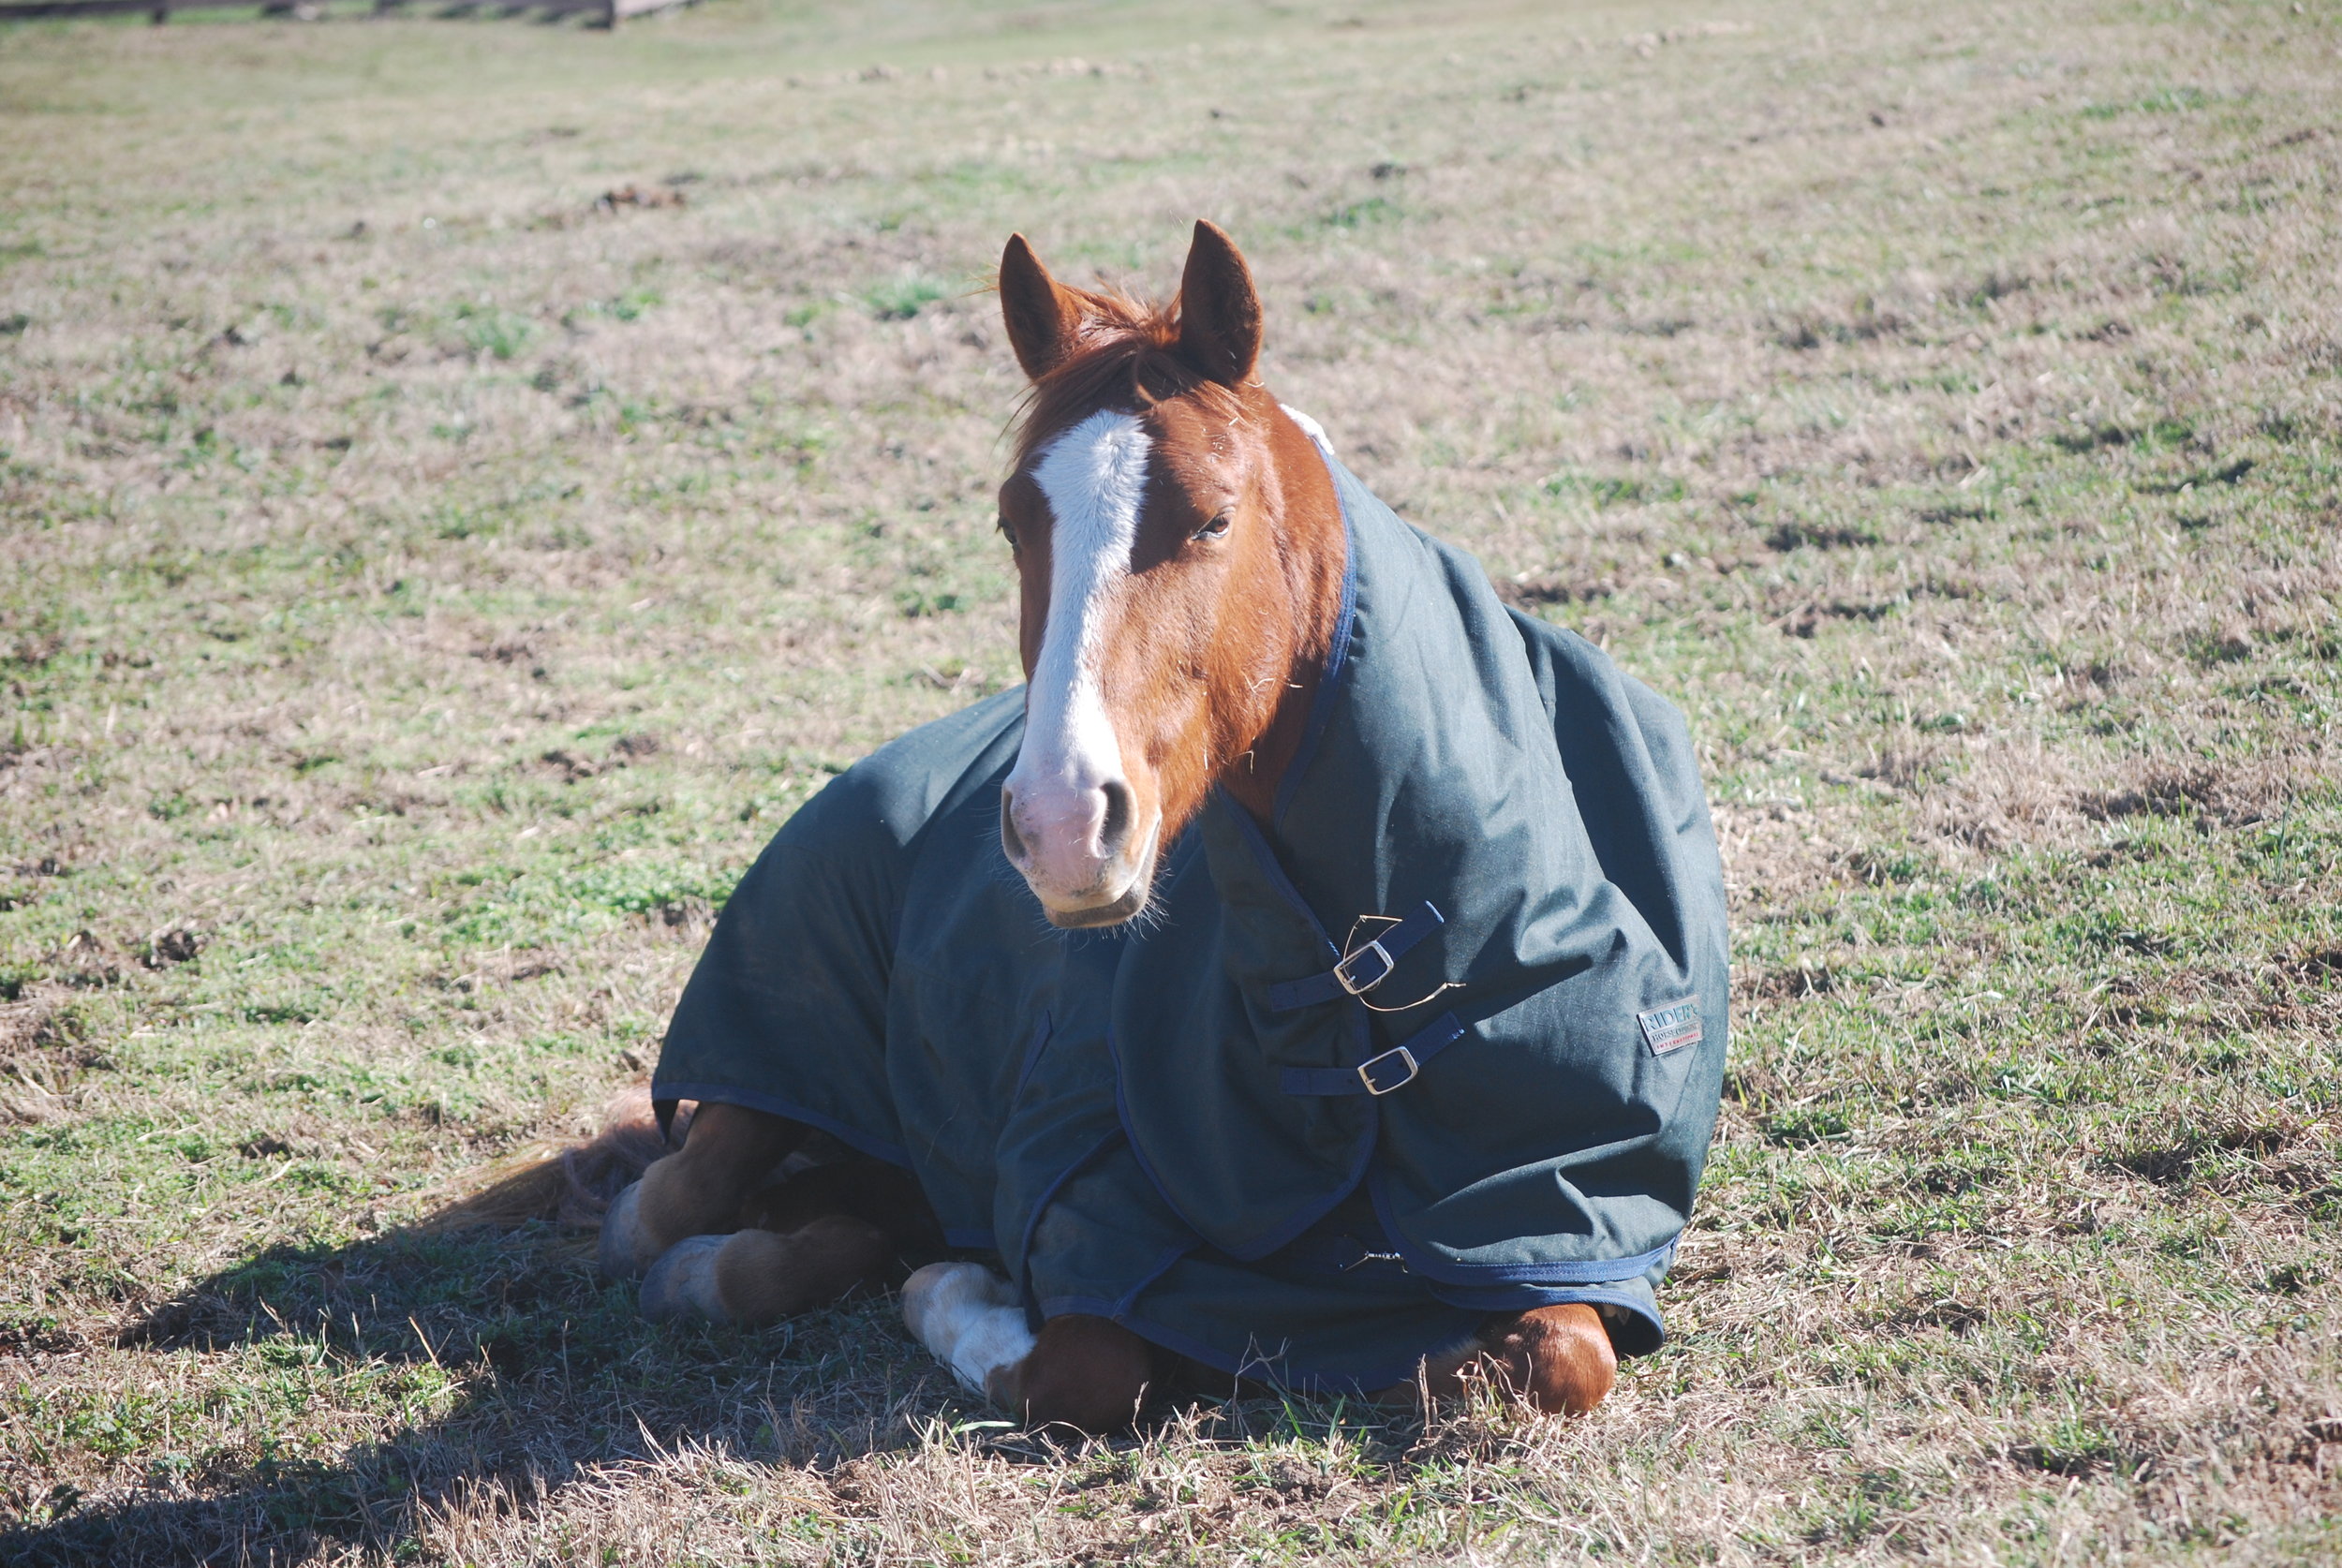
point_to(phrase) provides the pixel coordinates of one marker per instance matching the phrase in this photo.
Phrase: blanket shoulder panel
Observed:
(1591, 1124)
(876, 968)
(1549, 807)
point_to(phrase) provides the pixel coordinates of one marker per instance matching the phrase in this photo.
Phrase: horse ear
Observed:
(1042, 318)
(1219, 308)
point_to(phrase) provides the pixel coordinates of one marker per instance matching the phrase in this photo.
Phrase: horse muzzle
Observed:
(1080, 852)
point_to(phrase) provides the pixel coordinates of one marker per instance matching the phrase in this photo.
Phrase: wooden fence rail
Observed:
(608, 13)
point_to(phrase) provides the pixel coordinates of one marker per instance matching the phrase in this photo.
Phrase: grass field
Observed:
(464, 484)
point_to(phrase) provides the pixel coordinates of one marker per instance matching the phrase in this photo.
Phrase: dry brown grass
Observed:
(461, 486)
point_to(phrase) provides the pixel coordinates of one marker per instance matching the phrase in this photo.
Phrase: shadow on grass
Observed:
(499, 1355)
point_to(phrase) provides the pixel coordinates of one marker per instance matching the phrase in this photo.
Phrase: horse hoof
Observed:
(620, 1255)
(682, 1283)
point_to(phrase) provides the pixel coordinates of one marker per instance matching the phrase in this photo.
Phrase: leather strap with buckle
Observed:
(1353, 981)
(1360, 970)
(1395, 1069)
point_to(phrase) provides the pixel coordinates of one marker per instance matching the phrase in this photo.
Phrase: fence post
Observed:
(610, 14)
(161, 13)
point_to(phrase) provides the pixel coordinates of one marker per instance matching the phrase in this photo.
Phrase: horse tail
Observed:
(595, 1172)
(569, 1182)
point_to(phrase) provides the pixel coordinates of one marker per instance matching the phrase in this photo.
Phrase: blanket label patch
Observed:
(1671, 1028)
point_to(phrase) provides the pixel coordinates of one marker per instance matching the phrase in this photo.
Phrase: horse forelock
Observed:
(1127, 360)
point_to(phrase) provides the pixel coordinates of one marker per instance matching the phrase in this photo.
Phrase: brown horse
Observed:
(1180, 551)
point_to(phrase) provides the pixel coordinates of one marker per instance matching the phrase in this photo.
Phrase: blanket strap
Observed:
(1378, 1076)
(1362, 968)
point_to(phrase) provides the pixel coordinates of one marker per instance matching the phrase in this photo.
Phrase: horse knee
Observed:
(696, 1190)
(758, 1276)
(1557, 1358)
(730, 1148)
(1084, 1372)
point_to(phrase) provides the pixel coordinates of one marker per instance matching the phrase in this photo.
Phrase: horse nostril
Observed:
(1010, 842)
(1116, 827)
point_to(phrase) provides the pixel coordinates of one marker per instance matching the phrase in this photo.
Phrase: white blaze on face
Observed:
(1094, 477)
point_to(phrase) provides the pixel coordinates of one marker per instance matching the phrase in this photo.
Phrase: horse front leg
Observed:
(1085, 1373)
(1559, 1359)
(697, 1189)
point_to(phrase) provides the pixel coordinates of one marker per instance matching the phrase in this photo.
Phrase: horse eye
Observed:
(1008, 532)
(1214, 528)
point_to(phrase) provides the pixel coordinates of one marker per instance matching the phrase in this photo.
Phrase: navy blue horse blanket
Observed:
(1444, 1039)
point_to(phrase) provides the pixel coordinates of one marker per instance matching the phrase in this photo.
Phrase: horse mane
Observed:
(1127, 357)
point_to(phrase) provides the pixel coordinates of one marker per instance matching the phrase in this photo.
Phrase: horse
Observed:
(1192, 584)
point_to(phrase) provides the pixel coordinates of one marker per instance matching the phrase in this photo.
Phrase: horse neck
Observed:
(1312, 552)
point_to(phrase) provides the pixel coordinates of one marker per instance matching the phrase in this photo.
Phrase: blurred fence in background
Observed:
(604, 13)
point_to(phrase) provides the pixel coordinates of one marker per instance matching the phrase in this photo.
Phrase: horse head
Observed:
(1180, 553)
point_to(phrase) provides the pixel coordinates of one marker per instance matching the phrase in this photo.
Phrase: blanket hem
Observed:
(756, 1100)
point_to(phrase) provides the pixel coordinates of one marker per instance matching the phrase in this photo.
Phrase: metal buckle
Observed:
(1341, 971)
(1366, 1071)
